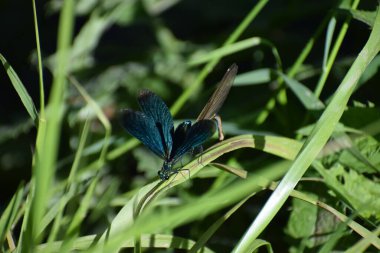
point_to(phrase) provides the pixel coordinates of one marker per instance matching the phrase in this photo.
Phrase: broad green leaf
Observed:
(346, 221)
(303, 218)
(363, 155)
(329, 232)
(309, 223)
(361, 193)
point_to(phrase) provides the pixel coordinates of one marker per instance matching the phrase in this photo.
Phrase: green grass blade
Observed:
(225, 50)
(235, 171)
(329, 38)
(48, 138)
(116, 152)
(148, 221)
(78, 153)
(20, 89)
(255, 77)
(214, 227)
(364, 243)
(259, 139)
(147, 241)
(258, 243)
(306, 97)
(81, 213)
(8, 216)
(367, 17)
(209, 66)
(280, 146)
(314, 144)
(371, 71)
(100, 115)
(104, 154)
(40, 72)
(294, 69)
(57, 215)
(334, 52)
(169, 242)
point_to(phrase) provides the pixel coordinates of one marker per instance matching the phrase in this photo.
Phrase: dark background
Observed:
(287, 24)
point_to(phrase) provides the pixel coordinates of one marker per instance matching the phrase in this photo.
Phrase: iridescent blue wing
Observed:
(180, 134)
(196, 135)
(153, 106)
(143, 127)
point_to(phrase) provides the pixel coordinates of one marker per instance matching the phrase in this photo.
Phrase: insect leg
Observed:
(220, 128)
(199, 150)
(188, 172)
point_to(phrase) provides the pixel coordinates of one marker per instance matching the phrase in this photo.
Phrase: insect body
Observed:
(154, 127)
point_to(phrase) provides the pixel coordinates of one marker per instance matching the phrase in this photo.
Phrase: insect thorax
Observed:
(166, 171)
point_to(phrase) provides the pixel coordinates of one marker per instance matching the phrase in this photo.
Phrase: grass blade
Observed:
(207, 204)
(235, 171)
(49, 134)
(10, 212)
(306, 97)
(254, 77)
(20, 89)
(314, 144)
(279, 146)
(209, 66)
(212, 229)
(40, 72)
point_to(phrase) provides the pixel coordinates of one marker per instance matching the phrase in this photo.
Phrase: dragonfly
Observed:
(154, 126)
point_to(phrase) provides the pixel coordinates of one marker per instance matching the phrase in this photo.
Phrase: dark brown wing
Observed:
(220, 94)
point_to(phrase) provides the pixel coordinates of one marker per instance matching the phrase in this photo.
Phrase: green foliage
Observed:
(302, 220)
(297, 124)
(20, 88)
(361, 193)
